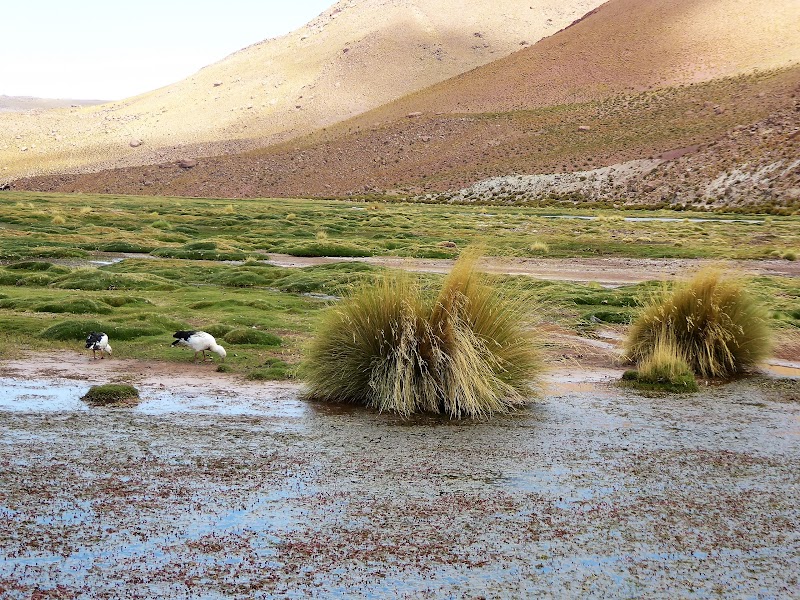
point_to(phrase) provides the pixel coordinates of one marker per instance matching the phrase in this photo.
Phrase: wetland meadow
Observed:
(222, 480)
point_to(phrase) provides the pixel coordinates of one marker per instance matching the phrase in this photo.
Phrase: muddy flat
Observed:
(212, 487)
(609, 271)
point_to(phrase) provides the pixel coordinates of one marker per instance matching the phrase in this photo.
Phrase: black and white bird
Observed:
(98, 342)
(199, 341)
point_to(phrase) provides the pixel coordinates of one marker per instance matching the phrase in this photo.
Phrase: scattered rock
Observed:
(187, 163)
(414, 115)
(584, 128)
(135, 143)
(217, 83)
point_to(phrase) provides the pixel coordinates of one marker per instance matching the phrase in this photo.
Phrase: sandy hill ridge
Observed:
(633, 79)
(356, 56)
(624, 46)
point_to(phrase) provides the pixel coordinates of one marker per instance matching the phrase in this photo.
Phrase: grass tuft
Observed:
(539, 247)
(464, 352)
(717, 326)
(665, 369)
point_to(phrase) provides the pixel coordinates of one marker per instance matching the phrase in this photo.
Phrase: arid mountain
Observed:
(358, 55)
(624, 46)
(669, 80)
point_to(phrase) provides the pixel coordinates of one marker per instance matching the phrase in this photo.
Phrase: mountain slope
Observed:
(559, 106)
(624, 46)
(356, 56)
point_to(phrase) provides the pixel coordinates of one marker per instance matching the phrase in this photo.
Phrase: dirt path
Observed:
(606, 271)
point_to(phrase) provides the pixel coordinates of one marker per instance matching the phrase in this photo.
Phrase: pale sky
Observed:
(107, 50)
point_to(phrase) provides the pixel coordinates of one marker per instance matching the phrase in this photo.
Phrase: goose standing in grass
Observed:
(98, 342)
(199, 341)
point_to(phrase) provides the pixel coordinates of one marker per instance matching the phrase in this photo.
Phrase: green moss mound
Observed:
(78, 330)
(96, 280)
(118, 301)
(30, 265)
(255, 337)
(273, 370)
(683, 384)
(126, 247)
(218, 330)
(77, 306)
(206, 250)
(327, 249)
(112, 394)
(242, 279)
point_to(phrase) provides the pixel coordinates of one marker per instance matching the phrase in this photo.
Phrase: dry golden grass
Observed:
(717, 326)
(465, 353)
(667, 366)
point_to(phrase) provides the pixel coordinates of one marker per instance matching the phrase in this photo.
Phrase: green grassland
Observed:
(200, 266)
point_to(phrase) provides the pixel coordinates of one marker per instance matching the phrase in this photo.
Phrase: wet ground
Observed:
(607, 271)
(214, 488)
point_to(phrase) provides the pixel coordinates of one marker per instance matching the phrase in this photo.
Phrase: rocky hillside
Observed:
(358, 55)
(706, 85)
(755, 166)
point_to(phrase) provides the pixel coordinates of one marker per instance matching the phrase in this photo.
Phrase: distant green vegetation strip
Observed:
(53, 226)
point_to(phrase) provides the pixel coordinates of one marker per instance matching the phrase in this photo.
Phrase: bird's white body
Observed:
(98, 342)
(199, 341)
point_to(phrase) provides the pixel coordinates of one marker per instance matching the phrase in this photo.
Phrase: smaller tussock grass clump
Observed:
(666, 369)
(715, 324)
(539, 247)
(112, 394)
(464, 352)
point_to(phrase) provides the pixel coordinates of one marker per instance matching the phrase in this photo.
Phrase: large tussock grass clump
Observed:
(464, 352)
(716, 325)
